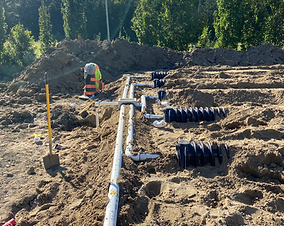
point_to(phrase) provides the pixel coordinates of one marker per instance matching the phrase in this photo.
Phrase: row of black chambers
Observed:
(192, 115)
(158, 75)
(199, 154)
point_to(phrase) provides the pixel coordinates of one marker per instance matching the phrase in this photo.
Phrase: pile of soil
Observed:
(246, 188)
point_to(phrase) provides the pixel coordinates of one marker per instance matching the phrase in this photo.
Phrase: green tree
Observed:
(3, 26)
(74, 18)
(204, 39)
(171, 23)
(274, 27)
(181, 24)
(247, 23)
(147, 21)
(19, 47)
(229, 23)
(45, 28)
(120, 13)
(24, 12)
(255, 15)
(206, 9)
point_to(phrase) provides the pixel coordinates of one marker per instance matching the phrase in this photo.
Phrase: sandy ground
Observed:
(246, 189)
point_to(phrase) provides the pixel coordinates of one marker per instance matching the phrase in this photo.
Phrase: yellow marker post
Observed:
(51, 159)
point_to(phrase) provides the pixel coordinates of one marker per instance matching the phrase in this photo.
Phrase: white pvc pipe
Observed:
(97, 117)
(140, 157)
(141, 76)
(113, 194)
(106, 103)
(97, 113)
(143, 102)
(129, 149)
(112, 207)
(125, 91)
(153, 116)
(130, 127)
(138, 84)
(131, 92)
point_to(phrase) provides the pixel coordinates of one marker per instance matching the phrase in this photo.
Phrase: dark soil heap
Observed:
(64, 64)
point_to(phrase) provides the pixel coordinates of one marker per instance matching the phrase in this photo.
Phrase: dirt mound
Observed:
(64, 64)
(260, 55)
(245, 188)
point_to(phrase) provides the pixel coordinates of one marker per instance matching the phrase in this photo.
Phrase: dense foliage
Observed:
(173, 23)
(178, 24)
(45, 28)
(2, 26)
(249, 23)
(74, 18)
(19, 47)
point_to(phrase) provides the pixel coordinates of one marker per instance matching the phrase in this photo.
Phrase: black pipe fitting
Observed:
(181, 152)
(212, 156)
(206, 114)
(161, 94)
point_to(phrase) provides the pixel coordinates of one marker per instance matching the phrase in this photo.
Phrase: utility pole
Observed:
(108, 36)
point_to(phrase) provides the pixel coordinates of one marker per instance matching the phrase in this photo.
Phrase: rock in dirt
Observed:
(31, 171)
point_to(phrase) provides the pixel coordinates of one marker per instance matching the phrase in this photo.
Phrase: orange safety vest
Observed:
(93, 82)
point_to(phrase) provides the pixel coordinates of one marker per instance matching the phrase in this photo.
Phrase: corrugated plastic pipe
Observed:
(129, 149)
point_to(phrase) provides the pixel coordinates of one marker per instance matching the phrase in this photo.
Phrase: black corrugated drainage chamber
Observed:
(200, 154)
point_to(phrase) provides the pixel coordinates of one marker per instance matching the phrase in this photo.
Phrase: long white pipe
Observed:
(113, 194)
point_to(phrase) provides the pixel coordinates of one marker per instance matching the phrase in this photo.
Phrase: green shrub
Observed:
(19, 47)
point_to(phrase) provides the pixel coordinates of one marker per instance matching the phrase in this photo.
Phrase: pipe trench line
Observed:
(113, 194)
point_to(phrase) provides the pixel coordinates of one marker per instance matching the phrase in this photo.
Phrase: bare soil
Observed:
(246, 189)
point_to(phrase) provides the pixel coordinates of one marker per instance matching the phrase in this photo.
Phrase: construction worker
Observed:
(93, 80)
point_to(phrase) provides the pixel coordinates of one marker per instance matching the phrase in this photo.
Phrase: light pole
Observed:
(107, 22)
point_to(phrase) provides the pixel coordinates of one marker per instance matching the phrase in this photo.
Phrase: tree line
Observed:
(177, 24)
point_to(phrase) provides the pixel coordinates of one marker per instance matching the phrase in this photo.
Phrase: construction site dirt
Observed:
(245, 189)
